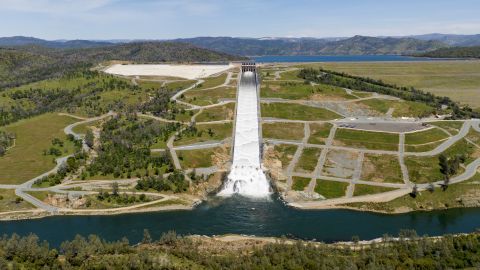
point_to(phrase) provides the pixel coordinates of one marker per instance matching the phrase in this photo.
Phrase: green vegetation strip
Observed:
(300, 183)
(283, 131)
(217, 113)
(330, 189)
(296, 112)
(366, 139)
(308, 160)
(34, 135)
(427, 136)
(319, 133)
(368, 190)
(462, 194)
(381, 168)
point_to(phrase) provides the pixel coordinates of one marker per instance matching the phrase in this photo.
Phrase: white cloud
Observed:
(53, 6)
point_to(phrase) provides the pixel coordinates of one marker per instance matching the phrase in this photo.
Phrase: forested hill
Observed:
(68, 44)
(26, 64)
(357, 45)
(454, 52)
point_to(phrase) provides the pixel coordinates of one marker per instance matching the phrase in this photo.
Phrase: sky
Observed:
(168, 19)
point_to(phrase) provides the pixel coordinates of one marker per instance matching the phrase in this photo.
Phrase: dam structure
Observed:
(246, 176)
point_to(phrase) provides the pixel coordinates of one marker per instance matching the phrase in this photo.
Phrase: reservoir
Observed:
(240, 215)
(340, 58)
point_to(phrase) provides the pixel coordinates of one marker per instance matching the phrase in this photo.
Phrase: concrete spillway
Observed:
(247, 177)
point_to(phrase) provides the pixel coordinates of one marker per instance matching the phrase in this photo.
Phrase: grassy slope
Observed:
(457, 195)
(285, 131)
(319, 133)
(459, 80)
(300, 183)
(217, 113)
(367, 139)
(220, 132)
(8, 202)
(331, 189)
(296, 112)
(381, 168)
(26, 159)
(308, 160)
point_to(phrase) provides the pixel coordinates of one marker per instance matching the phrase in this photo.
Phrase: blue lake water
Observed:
(251, 217)
(339, 58)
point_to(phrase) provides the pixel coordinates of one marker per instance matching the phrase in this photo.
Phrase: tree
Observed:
(115, 188)
(444, 166)
(147, 239)
(89, 138)
(414, 191)
(431, 187)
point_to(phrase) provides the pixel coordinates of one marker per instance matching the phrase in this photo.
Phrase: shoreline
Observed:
(301, 205)
(38, 213)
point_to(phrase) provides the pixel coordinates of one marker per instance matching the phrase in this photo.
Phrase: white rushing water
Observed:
(247, 177)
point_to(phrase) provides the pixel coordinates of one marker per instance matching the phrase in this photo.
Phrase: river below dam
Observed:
(240, 215)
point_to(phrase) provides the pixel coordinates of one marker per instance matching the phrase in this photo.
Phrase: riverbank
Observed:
(172, 251)
(39, 213)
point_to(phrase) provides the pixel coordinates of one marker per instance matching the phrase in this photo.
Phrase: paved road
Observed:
(445, 145)
(161, 119)
(317, 172)
(201, 145)
(296, 156)
(401, 159)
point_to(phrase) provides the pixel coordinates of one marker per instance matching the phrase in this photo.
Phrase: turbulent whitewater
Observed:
(246, 176)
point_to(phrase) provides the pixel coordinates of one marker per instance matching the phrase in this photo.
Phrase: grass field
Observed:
(456, 195)
(366, 139)
(9, 201)
(423, 169)
(426, 136)
(319, 133)
(217, 113)
(203, 97)
(285, 153)
(290, 75)
(381, 168)
(201, 158)
(296, 112)
(213, 81)
(26, 160)
(220, 132)
(300, 183)
(308, 160)
(367, 190)
(459, 80)
(299, 91)
(423, 141)
(427, 169)
(423, 147)
(401, 108)
(178, 85)
(451, 126)
(330, 189)
(473, 136)
(283, 131)
(83, 128)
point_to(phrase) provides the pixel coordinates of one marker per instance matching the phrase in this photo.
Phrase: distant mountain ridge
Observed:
(454, 52)
(357, 45)
(68, 44)
(452, 40)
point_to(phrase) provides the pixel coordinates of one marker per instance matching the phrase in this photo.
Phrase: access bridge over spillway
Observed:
(247, 177)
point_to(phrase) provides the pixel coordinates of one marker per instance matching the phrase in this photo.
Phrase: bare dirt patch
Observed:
(340, 164)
